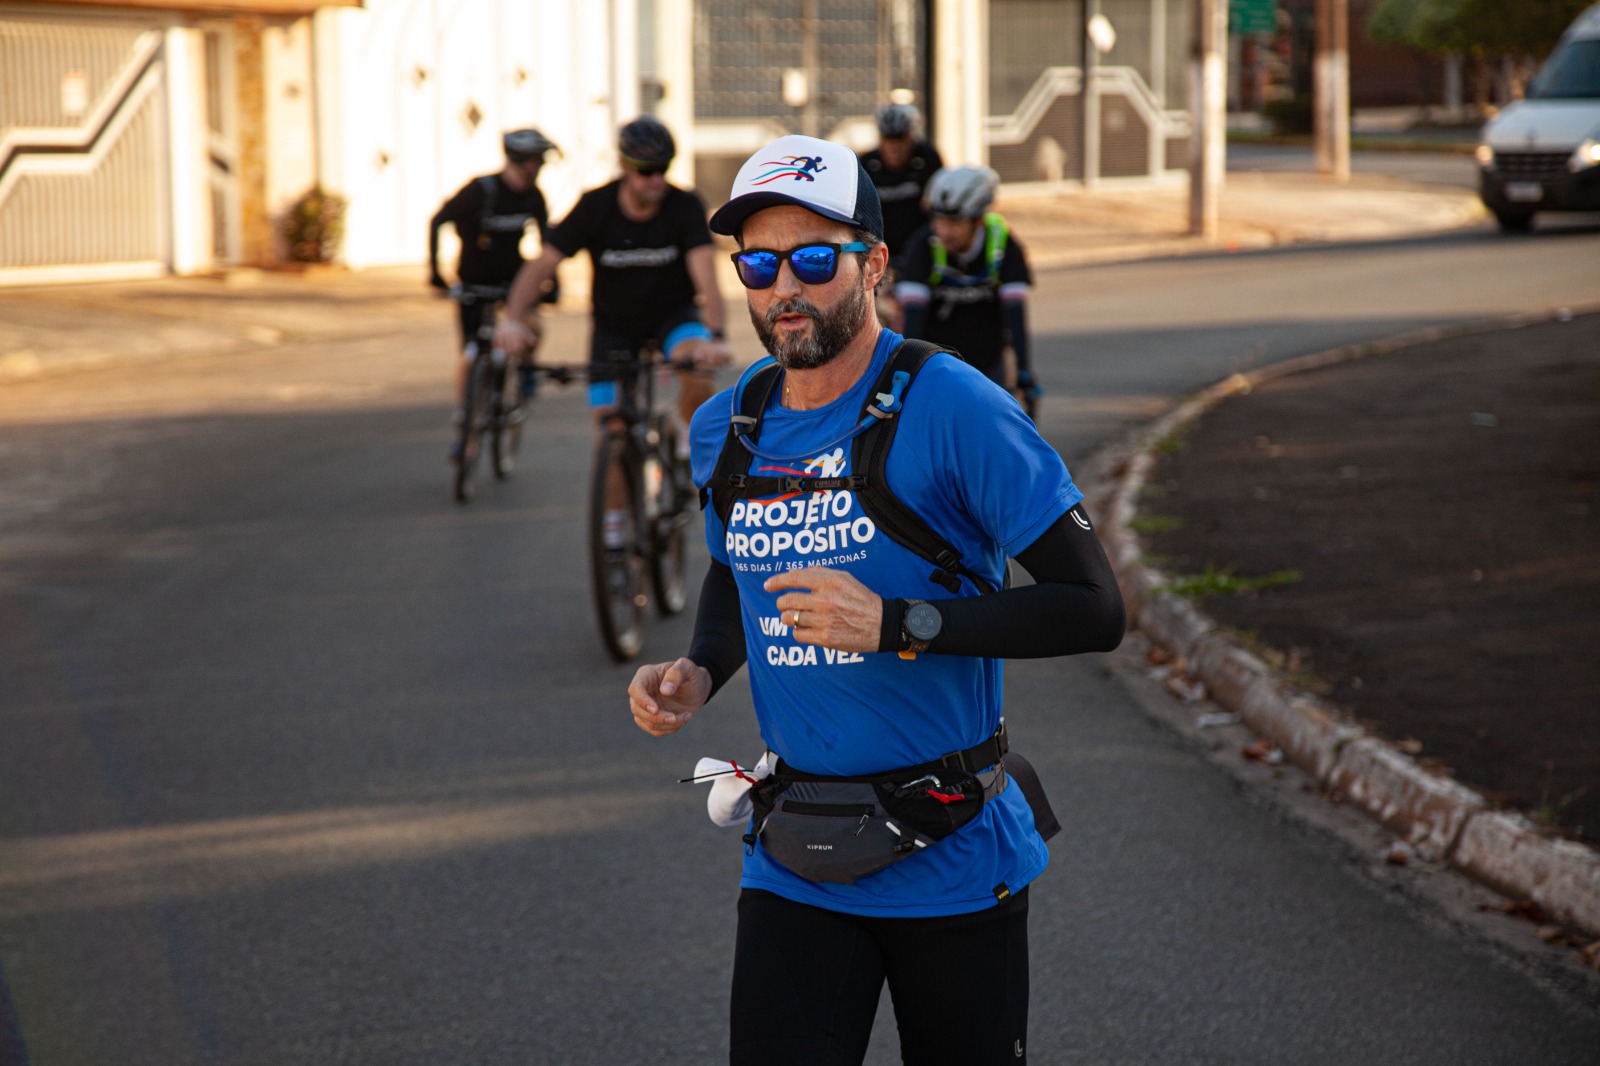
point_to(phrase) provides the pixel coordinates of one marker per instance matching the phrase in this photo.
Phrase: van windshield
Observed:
(1572, 73)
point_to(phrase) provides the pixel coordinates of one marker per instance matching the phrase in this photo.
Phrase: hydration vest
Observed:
(870, 440)
(995, 238)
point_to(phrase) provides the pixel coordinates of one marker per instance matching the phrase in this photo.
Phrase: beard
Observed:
(832, 330)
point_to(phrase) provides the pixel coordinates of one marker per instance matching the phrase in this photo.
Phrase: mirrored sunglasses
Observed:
(813, 264)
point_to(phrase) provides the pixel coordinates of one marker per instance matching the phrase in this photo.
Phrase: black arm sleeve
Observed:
(1075, 605)
(452, 211)
(433, 240)
(718, 643)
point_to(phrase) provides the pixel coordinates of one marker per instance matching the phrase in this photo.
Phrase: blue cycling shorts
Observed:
(608, 349)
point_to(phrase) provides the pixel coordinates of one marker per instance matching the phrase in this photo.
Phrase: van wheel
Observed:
(1514, 221)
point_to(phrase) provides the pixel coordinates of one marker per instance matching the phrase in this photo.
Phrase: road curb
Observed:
(1439, 817)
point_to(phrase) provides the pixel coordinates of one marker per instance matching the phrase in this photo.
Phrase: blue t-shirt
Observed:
(971, 464)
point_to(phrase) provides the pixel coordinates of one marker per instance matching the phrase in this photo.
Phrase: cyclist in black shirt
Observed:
(654, 275)
(900, 168)
(965, 281)
(491, 213)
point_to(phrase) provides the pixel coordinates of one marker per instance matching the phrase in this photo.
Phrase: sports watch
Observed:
(919, 624)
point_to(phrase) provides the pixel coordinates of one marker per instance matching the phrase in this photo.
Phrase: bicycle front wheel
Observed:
(474, 420)
(617, 568)
(508, 414)
(669, 493)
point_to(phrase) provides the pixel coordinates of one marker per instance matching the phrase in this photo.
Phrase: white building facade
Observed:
(143, 138)
(138, 139)
(1052, 93)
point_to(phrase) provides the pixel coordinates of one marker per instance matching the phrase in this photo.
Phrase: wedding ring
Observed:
(796, 620)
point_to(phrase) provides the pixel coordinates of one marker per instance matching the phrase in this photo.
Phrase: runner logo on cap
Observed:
(795, 166)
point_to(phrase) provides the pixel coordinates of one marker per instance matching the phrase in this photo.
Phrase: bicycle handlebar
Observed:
(467, 294)
(653, 351)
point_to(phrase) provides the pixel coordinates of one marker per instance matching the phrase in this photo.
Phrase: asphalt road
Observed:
(301, 763)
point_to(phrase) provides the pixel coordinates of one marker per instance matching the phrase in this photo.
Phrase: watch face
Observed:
(923, 621)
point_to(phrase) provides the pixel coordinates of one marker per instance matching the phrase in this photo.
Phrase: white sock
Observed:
(613, 529)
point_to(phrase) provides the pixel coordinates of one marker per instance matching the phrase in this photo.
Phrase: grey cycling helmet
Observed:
(524, 145)
(645, 142)
(898, 120)
(962, 192)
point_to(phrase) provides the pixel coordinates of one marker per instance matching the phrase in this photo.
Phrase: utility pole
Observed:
(810, 122)
(1091, 94)
(883, 65)
(1208, 105)
(1332, 96)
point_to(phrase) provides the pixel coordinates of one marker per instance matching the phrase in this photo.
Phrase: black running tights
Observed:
(806, 983)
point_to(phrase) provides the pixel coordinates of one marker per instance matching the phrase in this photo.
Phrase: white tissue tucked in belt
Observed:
(729, 801)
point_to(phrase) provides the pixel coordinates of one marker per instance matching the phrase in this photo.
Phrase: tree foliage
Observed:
(1474, 27)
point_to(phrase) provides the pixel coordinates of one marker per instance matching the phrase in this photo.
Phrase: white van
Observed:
(1543, 153)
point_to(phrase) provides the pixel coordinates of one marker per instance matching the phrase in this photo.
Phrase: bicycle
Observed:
(494, 403)
(637, 459)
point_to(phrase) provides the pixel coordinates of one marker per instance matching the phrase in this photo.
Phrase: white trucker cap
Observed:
(820, 176)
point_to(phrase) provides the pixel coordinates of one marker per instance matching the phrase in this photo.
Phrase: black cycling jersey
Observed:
(900, 191)
(640, 271)
(1074, 606)
(964, 310)
(490, 231)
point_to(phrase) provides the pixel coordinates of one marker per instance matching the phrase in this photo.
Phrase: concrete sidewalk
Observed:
(1256, 211)
(60, 328)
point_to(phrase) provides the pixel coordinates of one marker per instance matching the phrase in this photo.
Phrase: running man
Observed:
(863, 656)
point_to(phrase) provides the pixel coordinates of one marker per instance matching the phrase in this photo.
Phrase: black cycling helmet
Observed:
(524, 145)
(898, 120)
(645, 142)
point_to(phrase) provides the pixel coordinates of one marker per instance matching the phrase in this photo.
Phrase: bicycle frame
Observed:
(487, 412)
(636, 448)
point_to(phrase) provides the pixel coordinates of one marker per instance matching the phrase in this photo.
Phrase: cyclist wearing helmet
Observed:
(965, 281)
(900, 168)
(490, 214)
(654, 275)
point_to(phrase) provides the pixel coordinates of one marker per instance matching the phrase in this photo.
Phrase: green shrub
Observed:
(1293, 115)
(313, 229)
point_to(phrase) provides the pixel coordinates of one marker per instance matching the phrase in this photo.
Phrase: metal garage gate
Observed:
(82, 147)
(1060, 110)
(848, 54)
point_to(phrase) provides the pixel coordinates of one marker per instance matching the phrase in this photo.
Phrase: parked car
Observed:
(1542, 153)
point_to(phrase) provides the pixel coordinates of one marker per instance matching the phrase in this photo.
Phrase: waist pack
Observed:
(841, 829)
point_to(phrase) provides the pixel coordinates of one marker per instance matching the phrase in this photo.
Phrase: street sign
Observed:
(1252, 16)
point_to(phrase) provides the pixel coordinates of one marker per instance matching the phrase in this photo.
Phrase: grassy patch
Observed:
(1224, 582)
(1173, 442)
(1294, 664)
(1554, 811)
(1155, 523)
